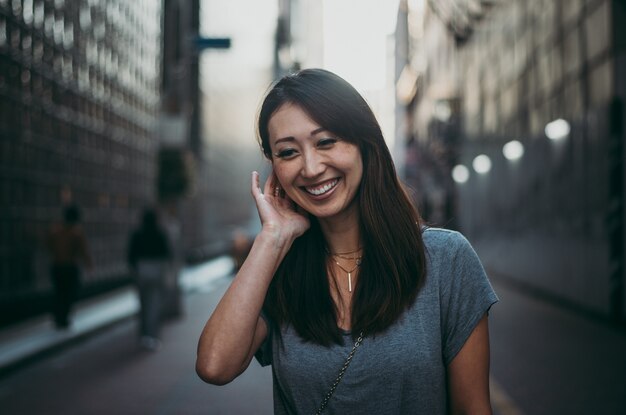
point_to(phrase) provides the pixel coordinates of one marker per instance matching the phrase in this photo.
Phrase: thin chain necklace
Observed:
(339, 254)
(354, 258)
(349, 272)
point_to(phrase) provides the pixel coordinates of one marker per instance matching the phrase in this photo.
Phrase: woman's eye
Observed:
(286, 153)
(326, 142)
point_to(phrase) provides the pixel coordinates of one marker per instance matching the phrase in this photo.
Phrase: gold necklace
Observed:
(349, 272)
(354, 258)
(339, 254)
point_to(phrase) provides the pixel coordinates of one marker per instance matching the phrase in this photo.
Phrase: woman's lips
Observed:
(321, 189)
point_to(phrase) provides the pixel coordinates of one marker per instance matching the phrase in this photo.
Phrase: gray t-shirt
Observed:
(403, 370)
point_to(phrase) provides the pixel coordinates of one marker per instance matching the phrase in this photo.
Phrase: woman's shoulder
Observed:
(445, 239)
(452, 259)
(444, 247)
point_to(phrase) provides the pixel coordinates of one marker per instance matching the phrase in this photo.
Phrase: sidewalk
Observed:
(37, 337)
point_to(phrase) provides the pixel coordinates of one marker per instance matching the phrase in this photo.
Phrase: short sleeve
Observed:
(466, 295)
(264, 354)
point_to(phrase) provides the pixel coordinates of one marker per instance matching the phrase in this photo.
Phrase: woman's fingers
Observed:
(279, 211)
(255, 184)
(273, 196)
(271, 184)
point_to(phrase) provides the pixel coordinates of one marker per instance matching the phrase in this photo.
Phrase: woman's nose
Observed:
(313, 164)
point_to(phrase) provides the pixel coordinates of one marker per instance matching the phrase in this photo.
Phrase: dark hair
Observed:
(393, 268)
(149, 219)
(71, 214)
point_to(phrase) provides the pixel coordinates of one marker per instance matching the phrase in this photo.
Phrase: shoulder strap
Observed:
(330, 393)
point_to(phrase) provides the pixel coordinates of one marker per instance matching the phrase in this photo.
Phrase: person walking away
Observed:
(172, 297)
(148, 257)
(67, 246)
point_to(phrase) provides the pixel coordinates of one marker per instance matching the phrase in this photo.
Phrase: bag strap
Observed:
(330, 393)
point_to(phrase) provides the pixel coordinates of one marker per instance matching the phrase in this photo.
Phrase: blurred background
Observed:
(504, 117)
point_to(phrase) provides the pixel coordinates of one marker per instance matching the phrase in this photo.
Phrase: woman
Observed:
(343, 278)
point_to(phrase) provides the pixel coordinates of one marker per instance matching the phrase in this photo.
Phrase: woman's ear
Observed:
(277, 189)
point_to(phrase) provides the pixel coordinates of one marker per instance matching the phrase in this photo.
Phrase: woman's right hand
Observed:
(236, 330)
(279, 215)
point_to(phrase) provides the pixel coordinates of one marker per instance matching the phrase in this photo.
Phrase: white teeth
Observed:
(321, 190)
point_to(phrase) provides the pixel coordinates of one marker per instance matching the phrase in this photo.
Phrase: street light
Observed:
(513, 150)
(557, 129)
(460, 174)
(482, 164)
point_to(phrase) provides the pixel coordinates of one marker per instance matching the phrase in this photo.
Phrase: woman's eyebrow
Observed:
(291, 138)
(318, 130)
(281, 140)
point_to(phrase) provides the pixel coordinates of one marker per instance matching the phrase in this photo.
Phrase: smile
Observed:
(321, 189)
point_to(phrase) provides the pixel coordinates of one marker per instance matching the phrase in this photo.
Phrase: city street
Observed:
(129, 132)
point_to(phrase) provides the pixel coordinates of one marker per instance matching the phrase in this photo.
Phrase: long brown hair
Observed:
(393, 267)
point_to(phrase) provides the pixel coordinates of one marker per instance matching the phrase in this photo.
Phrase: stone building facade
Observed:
(79, 98)
(489, 72)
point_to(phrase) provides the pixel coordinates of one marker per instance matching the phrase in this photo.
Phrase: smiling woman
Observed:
(318, 171)
(343, 263)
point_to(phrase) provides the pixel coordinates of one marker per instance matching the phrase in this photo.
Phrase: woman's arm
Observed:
(235, 330)
(468, 374)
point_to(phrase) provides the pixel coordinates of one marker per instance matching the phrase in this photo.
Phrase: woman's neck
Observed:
(342, 234)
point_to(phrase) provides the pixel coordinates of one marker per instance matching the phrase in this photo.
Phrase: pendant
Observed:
(349, 282)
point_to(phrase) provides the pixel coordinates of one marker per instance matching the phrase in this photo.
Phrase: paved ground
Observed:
(545, 360)
(549, 360)
(110, 374)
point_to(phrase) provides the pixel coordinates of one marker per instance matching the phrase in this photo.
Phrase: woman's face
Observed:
(318, 170)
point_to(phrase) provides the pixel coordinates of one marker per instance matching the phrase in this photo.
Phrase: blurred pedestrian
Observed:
(172, 297)
(68, 250)
(358, 307)
(149, 255)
